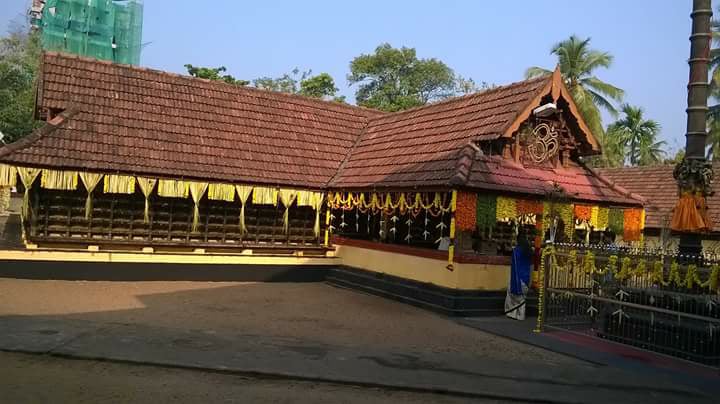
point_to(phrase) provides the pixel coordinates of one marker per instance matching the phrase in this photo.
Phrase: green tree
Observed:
(679, 156)
(214, 73)
(287, 83)
(320, 86)
(464, 86)
(295, 82)
(392, 79)
(578, 62)
(713, 139)
(303, 83)
(638, 137)
(613, 152)
(19, 60)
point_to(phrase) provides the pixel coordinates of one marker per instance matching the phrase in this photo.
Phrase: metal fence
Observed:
(644, 298)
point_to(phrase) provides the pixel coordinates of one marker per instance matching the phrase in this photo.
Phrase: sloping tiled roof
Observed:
(420, 147)
(576, 181)
(139, 121)
(149, 122)
(657, 185)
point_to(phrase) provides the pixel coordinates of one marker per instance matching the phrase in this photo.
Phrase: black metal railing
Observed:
(645, 298)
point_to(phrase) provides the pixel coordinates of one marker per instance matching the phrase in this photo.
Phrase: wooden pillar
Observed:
(208, 208)
(327, 226)
(451, 248)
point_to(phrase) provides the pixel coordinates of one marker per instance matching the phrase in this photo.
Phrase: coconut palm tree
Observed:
(638, 136)
(577, 63)
(613, 148)
(713, 138)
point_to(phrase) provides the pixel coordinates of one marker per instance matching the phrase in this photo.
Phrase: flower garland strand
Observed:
(602, 218)
(548, 254)
(566, 214)
(624, 269)
(653, 271)
(632, 220)
(485, 212)
(506, 209)
(583, 212)
(616, 221)
(528, 207)
(589, 263)
(466, 212)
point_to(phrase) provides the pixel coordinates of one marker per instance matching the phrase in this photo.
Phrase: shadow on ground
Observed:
(305, 331)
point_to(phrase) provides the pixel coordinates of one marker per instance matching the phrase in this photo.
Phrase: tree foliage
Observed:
(304, 83)
(19, 59)
(392, 79)
(214, 73)
(287, 83)
(677, 158)
(464, 86)
(578, 62)
(295, 82)
(319, 86)
(636, 137)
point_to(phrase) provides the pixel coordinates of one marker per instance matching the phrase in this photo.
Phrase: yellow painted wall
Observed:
(164, 258)
(434, 271)
(464, 276)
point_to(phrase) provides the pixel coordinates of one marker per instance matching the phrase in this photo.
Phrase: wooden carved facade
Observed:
(59, 217)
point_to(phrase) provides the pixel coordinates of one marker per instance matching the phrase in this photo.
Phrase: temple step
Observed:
(450, 302)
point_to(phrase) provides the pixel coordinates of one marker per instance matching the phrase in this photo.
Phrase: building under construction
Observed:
(101, 29)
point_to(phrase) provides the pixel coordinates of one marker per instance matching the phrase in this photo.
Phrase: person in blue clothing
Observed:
(520, 266)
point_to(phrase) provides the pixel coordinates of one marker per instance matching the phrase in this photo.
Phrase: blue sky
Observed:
(492, 41)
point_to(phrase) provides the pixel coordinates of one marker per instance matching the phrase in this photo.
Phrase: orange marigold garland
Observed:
(632, 223)
(466, 211)
(583, 212)
(528, 207)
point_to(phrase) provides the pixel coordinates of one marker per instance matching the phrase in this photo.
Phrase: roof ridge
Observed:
(341, 167)
(610, 183)
(462, 97)
(636, 168)
(218, 83)
(39, 133)
(463, 163)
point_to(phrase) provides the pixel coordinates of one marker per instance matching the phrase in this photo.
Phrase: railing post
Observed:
(548, 251)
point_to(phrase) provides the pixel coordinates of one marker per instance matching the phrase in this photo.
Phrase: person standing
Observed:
(519, 278)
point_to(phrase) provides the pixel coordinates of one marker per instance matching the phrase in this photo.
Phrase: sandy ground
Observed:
(80, 381)
(313, 312)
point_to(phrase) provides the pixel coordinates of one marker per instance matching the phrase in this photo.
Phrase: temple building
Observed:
(133, 159)
(658, 186)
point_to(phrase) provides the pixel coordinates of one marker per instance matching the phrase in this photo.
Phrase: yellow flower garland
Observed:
(624, 269)
(505, 209)
(589, 263)
(548, 254)
(674, 275)
(653, 271)
(656, 275)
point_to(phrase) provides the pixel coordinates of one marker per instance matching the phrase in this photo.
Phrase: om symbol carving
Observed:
(543, 143)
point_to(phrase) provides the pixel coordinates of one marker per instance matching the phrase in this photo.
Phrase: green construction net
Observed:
(103, 29)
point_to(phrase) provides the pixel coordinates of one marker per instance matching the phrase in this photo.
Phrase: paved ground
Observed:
(80, 381)
(300, 332)
(310, 312)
